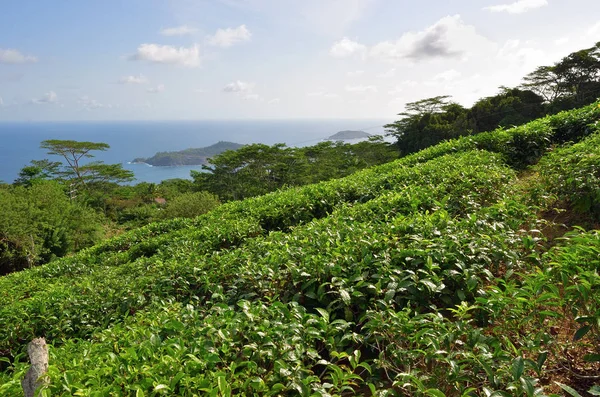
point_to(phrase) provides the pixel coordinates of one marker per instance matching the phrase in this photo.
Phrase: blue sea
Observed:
(19, 141)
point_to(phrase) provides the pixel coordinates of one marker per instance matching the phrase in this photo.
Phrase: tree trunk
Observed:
(38, 355)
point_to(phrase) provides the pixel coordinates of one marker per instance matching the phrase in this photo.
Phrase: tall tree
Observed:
(38, 170)
(573, 81)
(75, 151)
(427, 122)
(545, 82)
(512, 106)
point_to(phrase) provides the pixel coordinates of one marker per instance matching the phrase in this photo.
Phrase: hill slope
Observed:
(438, 274)
(349, 135)
(194, 156)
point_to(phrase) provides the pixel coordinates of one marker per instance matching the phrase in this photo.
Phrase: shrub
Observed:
(190, 205)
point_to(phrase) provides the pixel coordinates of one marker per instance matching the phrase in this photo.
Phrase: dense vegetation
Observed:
(57, 208)
(108, 208)
(193, 156)
(258, 169)
(572, 82)
(453, 271)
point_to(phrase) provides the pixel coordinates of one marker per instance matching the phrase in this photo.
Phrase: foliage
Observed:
(38, 170)
(258, 169)
(74, 152)
(427, 276)
(570, 83)
(39, 223)
(510, 107)
(189, 156)
(190, 205)
(427, 122)
(573, 175)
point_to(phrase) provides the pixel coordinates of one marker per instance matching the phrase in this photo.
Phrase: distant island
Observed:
(198, 156)
(349, 134)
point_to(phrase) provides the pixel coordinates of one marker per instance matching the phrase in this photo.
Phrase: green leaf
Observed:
(569, 389)
(434, 393)
(323, 313)
(592, 358)
(541, 360)
(372, 389)
(594, 391)
(518, 366)
(499, 393)
(345, 297)
(528, 386)
(581, 332)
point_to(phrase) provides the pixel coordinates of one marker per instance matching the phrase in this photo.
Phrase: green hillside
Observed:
(192, 156)
(468, 268)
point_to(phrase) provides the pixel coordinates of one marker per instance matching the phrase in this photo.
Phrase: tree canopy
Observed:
(258, 169)
(73, 152)
(572, 82)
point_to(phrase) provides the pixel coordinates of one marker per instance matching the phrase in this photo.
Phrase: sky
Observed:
(272, 59)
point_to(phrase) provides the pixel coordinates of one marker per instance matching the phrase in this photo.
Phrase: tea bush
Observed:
(425, 276)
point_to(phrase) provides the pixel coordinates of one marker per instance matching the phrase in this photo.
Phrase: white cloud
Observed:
(91, 104)
(386, 75)
(523, 57)
(347, 48)
(361, 88)
(1, 101)
(322, 94)
(274, 101)
(200, 90)
(155, 90)
(167, 54)
(14, 56)
(140, 79)
(355, 73)
(448, 75)
(518, 7)
(594, 30)
(449, 37)
(397, 103)
(561, 41)
(238, 86)
(49, 97)
(401, 87)
(396, 90)
(332, 16)
(230, 36)
(178, 31)
(252, 97)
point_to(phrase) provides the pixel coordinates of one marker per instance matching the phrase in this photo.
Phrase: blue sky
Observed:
(206, 59)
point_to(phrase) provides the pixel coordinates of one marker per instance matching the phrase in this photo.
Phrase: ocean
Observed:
(19, 141)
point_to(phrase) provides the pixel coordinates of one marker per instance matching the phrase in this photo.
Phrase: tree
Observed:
(39, 223)
(543, 81)
(75, 151)
(579, 75)
(427, 122)
(426, 106)
(38, 170)
(571, 82)
(512, 106)
(249, 171)
(258, 169)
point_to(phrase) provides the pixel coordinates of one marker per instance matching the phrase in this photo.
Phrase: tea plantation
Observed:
(467, 269)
